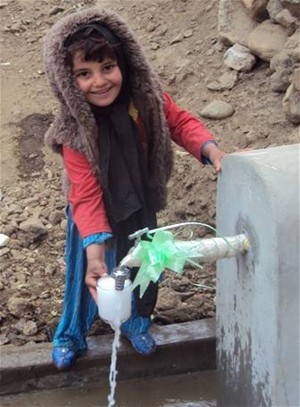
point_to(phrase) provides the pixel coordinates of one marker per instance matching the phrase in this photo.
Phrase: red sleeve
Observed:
(186, 130)
(85, 195)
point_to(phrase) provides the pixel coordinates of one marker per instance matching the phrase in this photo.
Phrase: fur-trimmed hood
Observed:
(75, 125)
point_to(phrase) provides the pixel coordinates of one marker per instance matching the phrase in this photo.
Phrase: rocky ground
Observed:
(181, 39)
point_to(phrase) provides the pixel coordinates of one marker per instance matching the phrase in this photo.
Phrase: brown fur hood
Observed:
(75, 125)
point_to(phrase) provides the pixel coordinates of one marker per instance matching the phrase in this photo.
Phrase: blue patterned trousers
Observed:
(79, 309)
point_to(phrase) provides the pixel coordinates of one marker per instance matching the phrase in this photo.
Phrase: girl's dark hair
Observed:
(93, 45)
(97, 42)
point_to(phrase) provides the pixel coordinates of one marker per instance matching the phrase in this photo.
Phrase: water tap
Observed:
(120, 274)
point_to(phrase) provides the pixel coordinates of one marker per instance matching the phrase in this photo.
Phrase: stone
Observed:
(50, 269)
(288, 21)
(17, 255)
(4, 339)
(180, 285)
(197, 300)
(283, 65)
(295, 79)
(257, 9)
(20, 324)
(291, 104)
(234, 23)
(293, 6)
(279, 80)
(4, 251)
(226, 81)
(33, 225)
(188, 33)
(274, 7)
(176, 39)
(294, 136)
(16, 27)
(16, 306)
(292, 46)
(239, 58)
(3, 240)
(30, 328)
(60, 245)
(183, 312)
(151, 27)
(13, 209)
(282, 61)
(56, 217)
(217, 109)
(167, 299)
(250, 137)
(267, 40)
(55, 10)
(154, 46)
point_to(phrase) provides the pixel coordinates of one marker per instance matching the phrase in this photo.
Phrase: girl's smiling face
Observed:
(100, 82)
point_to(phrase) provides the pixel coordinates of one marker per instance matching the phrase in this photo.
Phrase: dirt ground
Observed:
(181, 39)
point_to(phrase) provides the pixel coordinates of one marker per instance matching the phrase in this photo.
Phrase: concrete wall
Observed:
(258, 293)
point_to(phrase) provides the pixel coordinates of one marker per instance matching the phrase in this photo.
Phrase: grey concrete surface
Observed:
(258, 293)
(182, 348)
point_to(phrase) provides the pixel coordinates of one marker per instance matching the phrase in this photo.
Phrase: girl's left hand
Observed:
(216, 158)
(215, 155)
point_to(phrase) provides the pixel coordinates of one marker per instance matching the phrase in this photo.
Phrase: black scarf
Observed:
(123, 166)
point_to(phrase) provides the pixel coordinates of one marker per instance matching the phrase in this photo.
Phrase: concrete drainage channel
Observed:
(187, 349)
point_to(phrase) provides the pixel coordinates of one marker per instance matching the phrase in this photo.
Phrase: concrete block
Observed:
(258, 293)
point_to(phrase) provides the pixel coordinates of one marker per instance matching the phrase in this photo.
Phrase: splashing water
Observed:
(113, 371)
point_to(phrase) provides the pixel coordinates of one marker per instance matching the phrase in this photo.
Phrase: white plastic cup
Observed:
(114, 306)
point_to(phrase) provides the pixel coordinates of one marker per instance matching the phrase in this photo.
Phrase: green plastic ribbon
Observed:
(155, 256)
(161, 253)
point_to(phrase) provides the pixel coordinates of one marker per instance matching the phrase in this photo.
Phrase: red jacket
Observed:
(86, 195)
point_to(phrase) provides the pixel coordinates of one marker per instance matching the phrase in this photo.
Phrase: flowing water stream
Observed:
(113, 366)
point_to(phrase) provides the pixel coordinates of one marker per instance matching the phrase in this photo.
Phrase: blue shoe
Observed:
(63, 358)
(142, 343)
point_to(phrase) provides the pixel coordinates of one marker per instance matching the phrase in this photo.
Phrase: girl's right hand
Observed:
(96, 267)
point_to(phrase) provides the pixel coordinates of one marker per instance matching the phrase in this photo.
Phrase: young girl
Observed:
(114, 130)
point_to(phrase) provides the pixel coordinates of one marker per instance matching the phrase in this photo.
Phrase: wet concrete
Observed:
(182, 348)
(188, 390)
